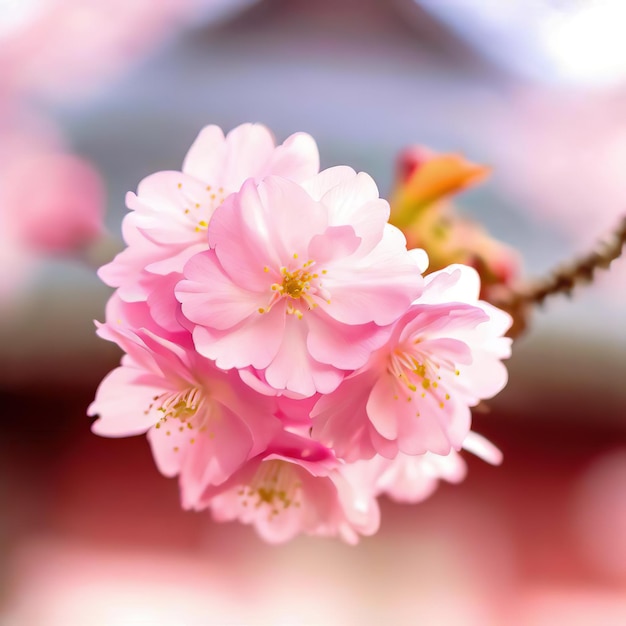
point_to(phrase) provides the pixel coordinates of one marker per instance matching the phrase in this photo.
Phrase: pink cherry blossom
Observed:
(202, 423)
(412, 479)
(283, 352)
(300, 281)
(413, 395)
(171, 210)
(296, 487)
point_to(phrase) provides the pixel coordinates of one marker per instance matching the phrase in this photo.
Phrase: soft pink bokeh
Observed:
(92, 533)
(566, 158)
(51, 202)
(55, 200)
(87, 44)
(564, 161)
(599, 514)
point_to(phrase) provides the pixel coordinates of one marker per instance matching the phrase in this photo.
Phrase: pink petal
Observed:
(204, 159)
(121, 404)
(250, 146)
(486, 377)
(293, 368)
(455, 283)
(340, 420)
(239, 233)
(373, 294)
(297, 158)
(335, 242)
(321, 183)
(380, 288)
(254, 342)
(290, 217)
(418, 424)
(348, 196)
(381, 407)
(346, 347)
(436, 320)
(483, 448)
(202, 458)
(449, 351)
(210, 297)
(164, 308)
(172, 208)
(176, 259)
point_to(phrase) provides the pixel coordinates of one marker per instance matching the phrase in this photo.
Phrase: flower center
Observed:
(296, 283)
(199, 204)
(421, 373)
(181, 411)
(188, 406)
(181, 405)
(275, 485)
(300, 284)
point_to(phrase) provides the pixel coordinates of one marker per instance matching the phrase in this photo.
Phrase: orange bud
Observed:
(425, 177)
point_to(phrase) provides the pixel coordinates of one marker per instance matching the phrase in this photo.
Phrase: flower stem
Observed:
(563, 279)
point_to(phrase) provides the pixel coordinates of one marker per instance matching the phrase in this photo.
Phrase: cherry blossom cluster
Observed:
(284, 353)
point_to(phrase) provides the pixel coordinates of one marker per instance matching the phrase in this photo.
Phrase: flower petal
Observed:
(122, 404)
(209, 296)
(261, 336)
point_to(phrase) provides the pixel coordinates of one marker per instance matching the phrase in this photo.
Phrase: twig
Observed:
(563, 280)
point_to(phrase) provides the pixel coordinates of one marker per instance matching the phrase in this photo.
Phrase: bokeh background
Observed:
(95, 95)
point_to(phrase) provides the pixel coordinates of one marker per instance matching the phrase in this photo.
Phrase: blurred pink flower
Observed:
(86, 44)
(598, 514)
(413, 395)
(202, 423)
(172, 210)
(15, 264)
(299, 280)
(63, 211)
(50, 201)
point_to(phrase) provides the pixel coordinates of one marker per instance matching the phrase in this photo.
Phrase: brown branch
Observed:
(563, 279)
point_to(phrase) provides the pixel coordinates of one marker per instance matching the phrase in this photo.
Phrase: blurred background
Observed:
(95, 95)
